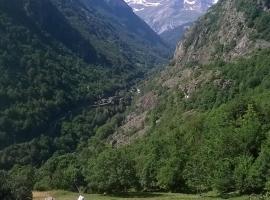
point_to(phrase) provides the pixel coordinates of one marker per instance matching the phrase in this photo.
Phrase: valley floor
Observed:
(63, 195)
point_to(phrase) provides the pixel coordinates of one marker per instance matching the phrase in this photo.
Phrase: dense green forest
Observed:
(58, 59)
(216, 140)
(52, 64)
(52, 137)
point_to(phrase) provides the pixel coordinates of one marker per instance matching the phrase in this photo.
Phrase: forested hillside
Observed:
(201, 125)
(54, 58)
(209, 128)
(57, 60)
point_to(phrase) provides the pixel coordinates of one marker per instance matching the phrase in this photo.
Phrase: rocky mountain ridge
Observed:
(223, 33)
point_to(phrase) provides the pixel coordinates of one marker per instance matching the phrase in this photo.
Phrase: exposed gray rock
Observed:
(221, 33)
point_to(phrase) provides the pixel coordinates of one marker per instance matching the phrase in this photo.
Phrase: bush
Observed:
(5, 187)
(15, 186)
(112, 171)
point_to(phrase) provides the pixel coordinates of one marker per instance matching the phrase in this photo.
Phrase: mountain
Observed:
(131, 30)
(164, 15)
(232, 31)
(114, 24)
(58, 57)
(202, 124)
(229, 31)
(173, 36)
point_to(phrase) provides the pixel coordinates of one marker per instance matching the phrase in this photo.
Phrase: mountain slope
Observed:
(112, 24)
(58, 55)
(203, 123)
(173, 36)
(231, 29)
(200, 126)
(224, 34)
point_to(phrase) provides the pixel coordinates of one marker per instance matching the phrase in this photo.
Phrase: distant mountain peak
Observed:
(163, 15)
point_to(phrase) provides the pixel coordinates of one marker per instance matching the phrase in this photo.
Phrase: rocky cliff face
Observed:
(223, 33)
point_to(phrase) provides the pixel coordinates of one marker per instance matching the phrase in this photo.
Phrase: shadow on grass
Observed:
(136, 195)
(226, 195)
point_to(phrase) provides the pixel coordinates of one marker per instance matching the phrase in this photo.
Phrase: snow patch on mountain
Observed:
(190, 2)
(143, 3)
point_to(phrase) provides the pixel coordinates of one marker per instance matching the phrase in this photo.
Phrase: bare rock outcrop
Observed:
(222, 33)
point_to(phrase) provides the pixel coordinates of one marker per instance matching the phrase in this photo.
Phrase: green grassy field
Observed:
(63, 195)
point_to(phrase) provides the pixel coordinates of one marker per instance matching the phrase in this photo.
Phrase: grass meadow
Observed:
(63, 195)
